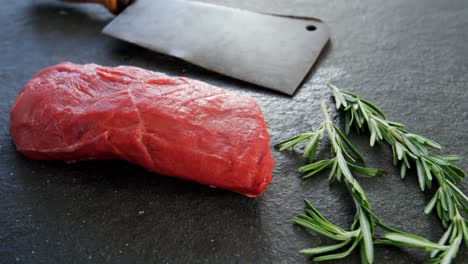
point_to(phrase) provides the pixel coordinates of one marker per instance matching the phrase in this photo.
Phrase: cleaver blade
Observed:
(272, 51)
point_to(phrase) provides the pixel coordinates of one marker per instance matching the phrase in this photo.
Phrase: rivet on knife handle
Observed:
(114, 6)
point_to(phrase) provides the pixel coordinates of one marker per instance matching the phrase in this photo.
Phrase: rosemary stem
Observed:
(327, 123)
(324, 109)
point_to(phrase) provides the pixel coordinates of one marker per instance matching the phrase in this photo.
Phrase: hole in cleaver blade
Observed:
(268, 50)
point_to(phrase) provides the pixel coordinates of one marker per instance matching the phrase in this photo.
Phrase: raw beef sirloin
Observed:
(172, 126)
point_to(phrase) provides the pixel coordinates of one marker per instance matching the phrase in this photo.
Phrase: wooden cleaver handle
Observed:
(115, 6)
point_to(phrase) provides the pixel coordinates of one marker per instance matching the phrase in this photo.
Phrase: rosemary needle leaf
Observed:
(431, 204)
(372, 138)
(410, 240)
(365, 115)
(426, 170)
(339, 255)
(323, 249)
(450, 205)
(411, 146)
(348, 121)
(333, 171)
(403, 171)
(343, 167)
(395, 124)
(394, 155)
(365, 171)
(311, 148)
(443, 200)
(292, 142)
(315, 165)
(420, 173)
(399, 150)
(454, 233)
(452, 157)
(322, 223)
(430, 143)
(438, 159)
(312, 208)
(367, 236)
(313, 226)
(325, 224)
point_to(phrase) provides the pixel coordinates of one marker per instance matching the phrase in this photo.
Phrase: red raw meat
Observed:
(172, 126)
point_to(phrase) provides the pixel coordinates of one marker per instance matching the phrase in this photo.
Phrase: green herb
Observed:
(410, 149)
(343, 168)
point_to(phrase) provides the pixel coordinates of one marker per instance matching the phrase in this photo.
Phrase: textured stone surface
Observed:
(409, 57)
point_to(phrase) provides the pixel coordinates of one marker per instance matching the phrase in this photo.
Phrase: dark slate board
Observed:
(409, 57)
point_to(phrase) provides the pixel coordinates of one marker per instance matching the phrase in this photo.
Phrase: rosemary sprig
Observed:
(410, 149)
(362, 230)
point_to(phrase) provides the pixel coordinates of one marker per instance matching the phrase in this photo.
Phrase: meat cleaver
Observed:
(272, 51)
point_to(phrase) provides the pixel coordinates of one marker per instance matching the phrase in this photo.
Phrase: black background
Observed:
(409, 57)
